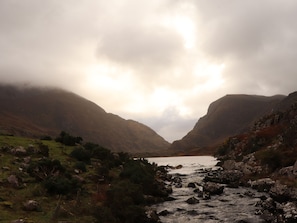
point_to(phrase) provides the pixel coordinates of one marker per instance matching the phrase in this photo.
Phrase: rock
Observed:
(153, 216)
(268, 204)
(262, 185)
(18, 221)
(295, 168)
(31, 205)
(178, 167)
(19, 151)
(282, 193)
(164, 213)
(290, 212)
(287, 171)
(13, 180)
(192, 200)
(192, 213)
(192, 185)
(224, 177)
(6, 168)
(213, 188)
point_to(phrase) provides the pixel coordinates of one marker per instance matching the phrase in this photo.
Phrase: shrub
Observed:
(60, 185)
(68, 140)
(80, 166)
(81, 155)
(270, 157)
(44, 168)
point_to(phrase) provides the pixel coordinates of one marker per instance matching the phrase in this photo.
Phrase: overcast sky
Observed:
(158, 62)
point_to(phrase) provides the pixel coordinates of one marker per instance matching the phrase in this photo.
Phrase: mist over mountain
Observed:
(36, 112)
(227, 116)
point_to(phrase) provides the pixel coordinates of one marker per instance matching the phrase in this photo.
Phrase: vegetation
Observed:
(72, 182)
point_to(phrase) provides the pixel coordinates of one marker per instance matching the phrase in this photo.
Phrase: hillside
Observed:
(265, 159)
(51, 182)
(36, 112)
(227, 116)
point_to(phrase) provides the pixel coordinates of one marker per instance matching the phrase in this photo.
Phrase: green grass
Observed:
(12, 199)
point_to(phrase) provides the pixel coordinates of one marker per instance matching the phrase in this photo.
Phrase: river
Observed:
(234, 205)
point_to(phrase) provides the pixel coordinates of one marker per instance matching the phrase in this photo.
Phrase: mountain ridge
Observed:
(229, 115)
(47, 111)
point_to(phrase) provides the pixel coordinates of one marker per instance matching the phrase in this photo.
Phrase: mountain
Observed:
(229, 115)
(36, 112)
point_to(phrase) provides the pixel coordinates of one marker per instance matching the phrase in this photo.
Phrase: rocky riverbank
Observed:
(198, 196)
(279, 202)
(225, 195)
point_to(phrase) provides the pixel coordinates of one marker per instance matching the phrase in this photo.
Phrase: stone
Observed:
(192, 200)
(19, 151)
(290, 212)
(262, 185)
(18, 221)
(287, 171)
(282, 193)
(31, 205)
(295, 168)
(213, 188)
(191, 185)
(164, 213)
(13, 180)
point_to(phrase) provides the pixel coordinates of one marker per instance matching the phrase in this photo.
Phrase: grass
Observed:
(12, 199)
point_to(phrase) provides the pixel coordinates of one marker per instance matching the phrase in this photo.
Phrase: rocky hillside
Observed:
(36, 112)
(265, 158)
(227, 116)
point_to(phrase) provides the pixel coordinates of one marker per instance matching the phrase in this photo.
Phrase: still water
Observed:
(234, 205)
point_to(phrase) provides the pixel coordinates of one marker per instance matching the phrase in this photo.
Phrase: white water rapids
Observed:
(234, 205)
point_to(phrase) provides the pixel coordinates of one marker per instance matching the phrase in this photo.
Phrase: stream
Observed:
(233, 205)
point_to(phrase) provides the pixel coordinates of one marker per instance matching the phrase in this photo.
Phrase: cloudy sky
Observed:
(158, 62)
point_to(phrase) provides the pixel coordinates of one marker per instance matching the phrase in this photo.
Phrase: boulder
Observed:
(18, 221)
(13, 180)
(192, 185)
(224, 176)
(262, 185)
(31, 205)
(295, 168)
(213, 188)
(19, 151)
(164, 213)
(287, 171)
(290, 212)
(192, 200)
(282, 193)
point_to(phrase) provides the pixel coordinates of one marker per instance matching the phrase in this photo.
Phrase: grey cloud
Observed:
(170, 124)
(140, 46)
(256, 40)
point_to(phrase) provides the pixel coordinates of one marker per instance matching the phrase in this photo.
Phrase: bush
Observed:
(68, 140)
(81, 155)
(60, 185)
(80, 166)
(140, 172)
(45, 168)
(125, 199)
(271, 158)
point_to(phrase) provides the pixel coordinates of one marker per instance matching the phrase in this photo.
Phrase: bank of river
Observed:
(233, 205)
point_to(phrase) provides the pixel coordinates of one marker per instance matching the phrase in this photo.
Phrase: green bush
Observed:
(126, 200)
(60, 185)
(81, 154)
(68, 140)
(271, 158)
(80, 166)
(44, 168)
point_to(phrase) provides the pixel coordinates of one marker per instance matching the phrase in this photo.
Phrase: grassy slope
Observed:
(11, 199)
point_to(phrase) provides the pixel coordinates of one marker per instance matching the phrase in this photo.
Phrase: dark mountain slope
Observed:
(227, 116)
(35, 112)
